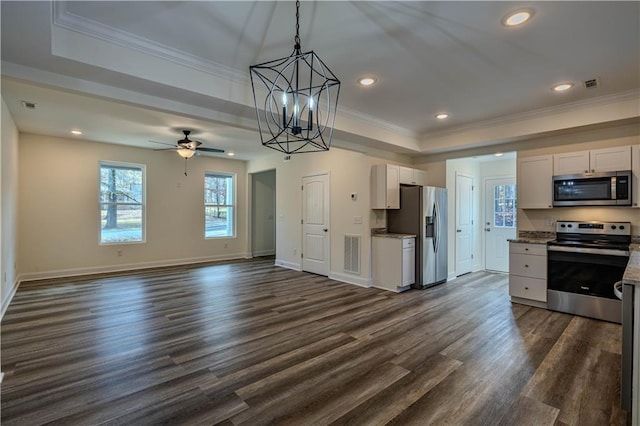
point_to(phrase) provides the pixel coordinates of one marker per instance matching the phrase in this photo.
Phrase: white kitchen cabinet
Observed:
(409, 176)
(393, 262)
(528, 273)
(635, 178)
(594, 161)
(385, 186)
(534, 182)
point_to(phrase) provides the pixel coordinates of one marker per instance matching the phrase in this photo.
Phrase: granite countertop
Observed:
(392, 235)
(532, 240)
(632, 273)
(534, 237)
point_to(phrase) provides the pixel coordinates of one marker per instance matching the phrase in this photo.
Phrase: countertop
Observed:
(532, 240)
(632, 273)
(392, 235)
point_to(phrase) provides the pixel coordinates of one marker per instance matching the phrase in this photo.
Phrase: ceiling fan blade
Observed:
(210, 149)
(163, 143)
(165, 149)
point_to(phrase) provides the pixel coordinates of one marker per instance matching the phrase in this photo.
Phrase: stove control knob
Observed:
(621, 226)
(614, 227)
(570, 225)
(563, 225)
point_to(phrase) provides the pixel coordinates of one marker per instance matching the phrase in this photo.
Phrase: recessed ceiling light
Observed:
(367, 81)
(498, 154)
(562, 87)
(516, 18)
(442, 116)
(76, 132)
(230, 154)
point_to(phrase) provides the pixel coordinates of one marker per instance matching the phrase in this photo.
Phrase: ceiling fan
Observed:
(187, 148)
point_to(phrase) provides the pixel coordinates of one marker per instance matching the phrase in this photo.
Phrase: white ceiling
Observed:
(129, 72)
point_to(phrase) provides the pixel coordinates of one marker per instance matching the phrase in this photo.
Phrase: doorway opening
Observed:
(263, 213)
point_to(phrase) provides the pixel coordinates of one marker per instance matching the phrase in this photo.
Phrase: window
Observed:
(504, 206)
(121, 203)
(218, 205)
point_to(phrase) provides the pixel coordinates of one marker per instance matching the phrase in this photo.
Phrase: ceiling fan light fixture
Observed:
(185, 153)
(298, 112)
(442, 116)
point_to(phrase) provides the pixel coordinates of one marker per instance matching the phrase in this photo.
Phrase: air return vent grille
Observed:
(592, 83)
(352, 254)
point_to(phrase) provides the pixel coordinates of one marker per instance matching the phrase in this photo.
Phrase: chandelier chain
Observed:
(297, 38)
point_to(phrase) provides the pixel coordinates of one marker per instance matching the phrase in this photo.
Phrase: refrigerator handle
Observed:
(436, 232)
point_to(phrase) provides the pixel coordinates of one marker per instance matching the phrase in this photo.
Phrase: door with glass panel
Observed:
(500, 214)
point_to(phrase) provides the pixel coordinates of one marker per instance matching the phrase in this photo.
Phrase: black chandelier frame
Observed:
(299, 108)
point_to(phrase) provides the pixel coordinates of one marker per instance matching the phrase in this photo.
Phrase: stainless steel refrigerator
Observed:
(423, 212)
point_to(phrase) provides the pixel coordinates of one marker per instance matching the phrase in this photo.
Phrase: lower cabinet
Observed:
(528, 273)
(393, 262)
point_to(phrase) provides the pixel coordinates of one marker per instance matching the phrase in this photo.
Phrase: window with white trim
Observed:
(122, 203)
(219, 205)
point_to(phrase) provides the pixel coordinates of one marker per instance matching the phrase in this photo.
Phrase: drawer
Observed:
(528, 288)
(408, 242)
(534, 249)
(526, 265)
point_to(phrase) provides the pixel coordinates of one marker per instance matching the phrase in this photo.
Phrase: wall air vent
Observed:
(592, 83)
(28, 105)
(352, 254)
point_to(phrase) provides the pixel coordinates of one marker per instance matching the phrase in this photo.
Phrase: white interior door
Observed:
(499, 221)
(464, 224)
(315, 224)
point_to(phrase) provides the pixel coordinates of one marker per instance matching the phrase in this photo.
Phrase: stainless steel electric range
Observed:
(584, 263)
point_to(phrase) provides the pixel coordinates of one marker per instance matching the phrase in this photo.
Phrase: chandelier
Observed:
(299, 110)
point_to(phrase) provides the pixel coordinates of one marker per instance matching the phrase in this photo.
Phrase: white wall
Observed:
(469, 167)
(263, 213)
(59, 217)
(543, 219)
(349, 172)
(8, 207)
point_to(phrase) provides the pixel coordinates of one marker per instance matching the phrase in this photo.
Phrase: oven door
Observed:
(586, 271)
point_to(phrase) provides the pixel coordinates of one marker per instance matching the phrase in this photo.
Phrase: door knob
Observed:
(487, 229)
(325, 229)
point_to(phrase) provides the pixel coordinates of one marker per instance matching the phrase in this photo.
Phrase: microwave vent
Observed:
(592, 83)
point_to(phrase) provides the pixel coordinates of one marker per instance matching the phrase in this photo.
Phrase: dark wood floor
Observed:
(250, 343)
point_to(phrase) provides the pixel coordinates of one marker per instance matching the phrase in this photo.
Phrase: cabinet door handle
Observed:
(526, 266)
(526, 288)
(458, 230)
(526, 249)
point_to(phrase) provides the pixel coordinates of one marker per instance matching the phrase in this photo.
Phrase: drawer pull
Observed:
(526, 288)
(526, 249)
(526, 266)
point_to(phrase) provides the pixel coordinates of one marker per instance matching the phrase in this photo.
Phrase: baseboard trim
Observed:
(452, 276)
(7, 300)
(351, 279)
(288, 265)
(63, 273)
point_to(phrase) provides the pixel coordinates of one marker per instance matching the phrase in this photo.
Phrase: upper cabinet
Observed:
(534, 182)
(635, 176)
(385, 186)
(594, 161)
(409, 176)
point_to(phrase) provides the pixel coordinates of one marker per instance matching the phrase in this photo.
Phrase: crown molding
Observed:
(61, 17)
(540, 113)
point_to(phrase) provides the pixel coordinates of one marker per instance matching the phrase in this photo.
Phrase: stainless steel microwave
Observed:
(593, 189)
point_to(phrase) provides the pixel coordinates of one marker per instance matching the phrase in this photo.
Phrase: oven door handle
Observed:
(609, 252)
